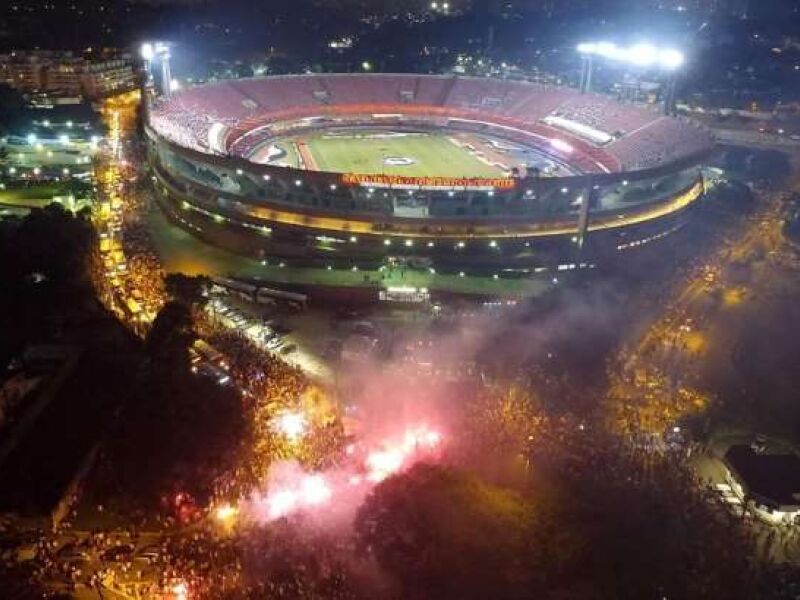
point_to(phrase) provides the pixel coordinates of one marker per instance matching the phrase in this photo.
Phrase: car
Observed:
(117, 553)
(149, 554)
(72, 552)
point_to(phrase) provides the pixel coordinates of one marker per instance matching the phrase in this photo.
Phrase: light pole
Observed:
(162, 51)
(147, 53)
(586, 53)
(671, 60)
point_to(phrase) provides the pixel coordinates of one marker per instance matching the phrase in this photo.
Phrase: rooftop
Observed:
(773, 477)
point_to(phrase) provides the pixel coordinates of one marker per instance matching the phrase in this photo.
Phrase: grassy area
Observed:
(290, 159)
(39, 195)
(32, 196)
(432, 154)
(184, 253)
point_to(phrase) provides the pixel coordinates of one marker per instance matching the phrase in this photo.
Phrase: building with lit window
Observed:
(67, 74)
(770, 481)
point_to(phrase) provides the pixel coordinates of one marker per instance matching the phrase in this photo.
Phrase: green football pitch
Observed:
(365, 152)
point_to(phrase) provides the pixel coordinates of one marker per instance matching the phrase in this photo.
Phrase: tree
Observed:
(647, 530)
(12, 106)
(188, 290)
(445, 534)
(168, 341)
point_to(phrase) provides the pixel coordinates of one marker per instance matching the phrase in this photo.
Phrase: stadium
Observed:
(452, 173)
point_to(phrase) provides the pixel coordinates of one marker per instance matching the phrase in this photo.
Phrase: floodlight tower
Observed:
(587, 52)
(670, 61)
(162, 51)
(642, 56)
(147, 52)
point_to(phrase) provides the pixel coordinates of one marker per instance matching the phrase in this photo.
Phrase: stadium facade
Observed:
(623, 176)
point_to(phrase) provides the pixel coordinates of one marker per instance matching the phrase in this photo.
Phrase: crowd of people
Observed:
(644, 138)
(145, 275)
(602, 473)
(271, 386)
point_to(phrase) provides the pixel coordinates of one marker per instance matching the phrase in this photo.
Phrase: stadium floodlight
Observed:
(609, 50)
(147, 52)
(31, 138)
(670, 59)
(162, 49)
(174, 85)
(643, 55)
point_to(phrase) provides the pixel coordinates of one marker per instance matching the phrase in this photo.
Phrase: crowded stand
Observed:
(636, 137)
(532, 107)
(284, 92)
(659, 142)
(430, 90)
(605, 114)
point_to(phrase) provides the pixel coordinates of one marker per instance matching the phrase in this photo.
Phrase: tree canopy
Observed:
(446, 534)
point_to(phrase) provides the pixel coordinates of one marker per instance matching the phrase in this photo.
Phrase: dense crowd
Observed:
(144, 279)
(621, 516)
(644, 138)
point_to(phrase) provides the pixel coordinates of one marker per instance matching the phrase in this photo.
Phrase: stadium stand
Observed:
(636, 137)
(660, 142)
(604, 114)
